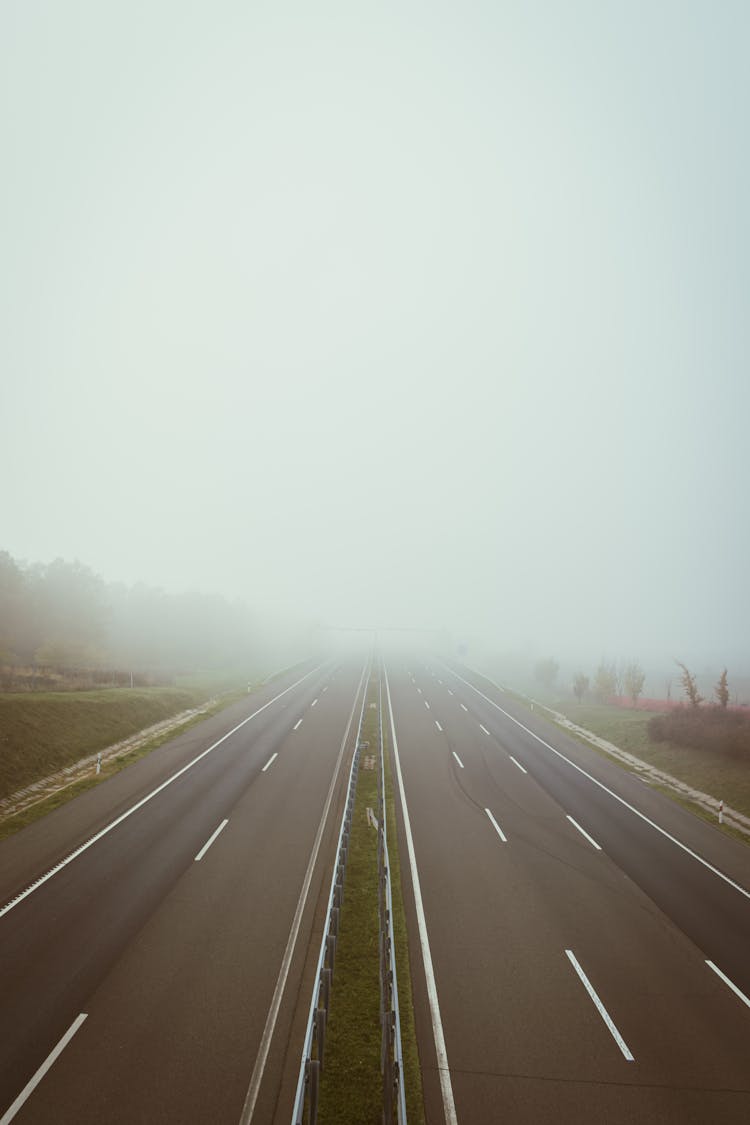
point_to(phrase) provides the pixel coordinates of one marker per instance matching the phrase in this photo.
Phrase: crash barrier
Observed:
(391, 1057)
(313, 1052)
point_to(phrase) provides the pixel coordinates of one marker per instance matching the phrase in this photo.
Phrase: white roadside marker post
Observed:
(721, 812)
(98, 764)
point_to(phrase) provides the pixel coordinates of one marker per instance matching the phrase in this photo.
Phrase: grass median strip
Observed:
(351, 1080)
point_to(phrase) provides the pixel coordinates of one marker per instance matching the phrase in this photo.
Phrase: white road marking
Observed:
(32, 1084)
(723, 976)
(426, 704)
(464, 707)
(440, 682)
(446, 1089)
(297, 724)
(144, 800)
(211, 838)
(455, 755)
(515, 763)
(325, 688)
(314, 702)
(583, 832)
(742, 890)
(484, 729)
(437, 724)
(497, 827)
(450, 692)
(419, 690)
(273, 1012)
(270, 761)
(599, 1006)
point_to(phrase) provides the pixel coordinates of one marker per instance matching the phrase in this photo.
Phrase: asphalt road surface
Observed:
(153, 974)
(563, 924)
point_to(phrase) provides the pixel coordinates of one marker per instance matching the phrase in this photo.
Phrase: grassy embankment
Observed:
(42, 733)
(717, 774)
(351, 1082)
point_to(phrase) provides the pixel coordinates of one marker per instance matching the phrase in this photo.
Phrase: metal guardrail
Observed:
(391, 1056)
(313, 1052)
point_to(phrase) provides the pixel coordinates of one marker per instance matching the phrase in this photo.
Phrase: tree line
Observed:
(63, 615)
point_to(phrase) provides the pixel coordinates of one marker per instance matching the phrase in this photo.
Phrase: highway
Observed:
(579, 943)
(155, 930)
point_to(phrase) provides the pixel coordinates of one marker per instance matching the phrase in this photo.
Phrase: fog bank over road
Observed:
(472, 278)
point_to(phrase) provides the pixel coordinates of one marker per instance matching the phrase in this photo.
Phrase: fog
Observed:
(417, 315)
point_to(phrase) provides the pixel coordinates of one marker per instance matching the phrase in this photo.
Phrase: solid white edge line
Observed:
(297, 724)
(726, 980)
(446, 1088)
(583, 832)
(517, 763)
(497, 827)
(273, 1012)
(210, 841)
(144, 800)
(455, 755)
(599, 1006)
(602, 786)
(484, 729)
(32, 1084)
(270, 761)
(437, 724)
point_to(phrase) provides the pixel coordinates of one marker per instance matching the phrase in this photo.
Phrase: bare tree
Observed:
(689, 686)
(721, 691)
(605, 681)
(634, 680)
(580, 686)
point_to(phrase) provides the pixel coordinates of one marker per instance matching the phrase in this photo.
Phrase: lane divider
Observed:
(725, 978)
(297, 724)
(210, 840)
(455, 755)
(497, 827)
(437, 724)
(583, 832)
(481, 727)
(32, 1084)
(270, 761)
(599, 1006)
(517, 763)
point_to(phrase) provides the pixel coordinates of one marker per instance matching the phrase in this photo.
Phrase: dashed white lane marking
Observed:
(144, 800)
(419, 690)
(455, 755)
(426, 704)
(599, 1006)
(297, 724)
(313, 702)
(437, 724)
(464, 707)
(450, 692)
(583, 832)
(213, 836)
(446, 1089)
(325, 688)
(270, 761)
(484, 729)
(621, 800)
(32, 1084)
(440, 682)
(726, 980)
(516, 763)
(497, 827)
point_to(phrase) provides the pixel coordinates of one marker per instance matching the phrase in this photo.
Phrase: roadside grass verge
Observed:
(126, 721)
(716, 774)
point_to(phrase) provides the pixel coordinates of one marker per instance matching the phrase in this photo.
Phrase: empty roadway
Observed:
(169, 932)
(569, 937)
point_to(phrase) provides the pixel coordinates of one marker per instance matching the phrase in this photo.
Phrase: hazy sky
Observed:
(388, 313)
